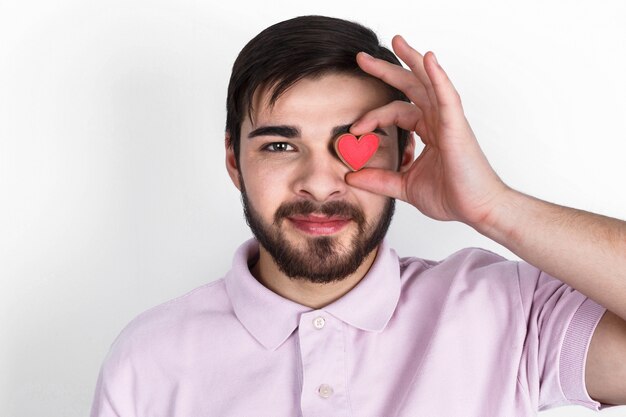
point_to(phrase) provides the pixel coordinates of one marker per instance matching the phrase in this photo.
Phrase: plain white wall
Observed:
(114, 196)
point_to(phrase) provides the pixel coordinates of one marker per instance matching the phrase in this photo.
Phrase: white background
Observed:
(114, 196)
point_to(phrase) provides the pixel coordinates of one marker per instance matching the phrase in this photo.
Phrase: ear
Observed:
(408, 155)
(231, 162)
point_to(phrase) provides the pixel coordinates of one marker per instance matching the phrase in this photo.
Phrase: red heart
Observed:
(356, 152)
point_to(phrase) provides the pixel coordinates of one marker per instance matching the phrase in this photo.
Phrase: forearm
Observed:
(584, 250)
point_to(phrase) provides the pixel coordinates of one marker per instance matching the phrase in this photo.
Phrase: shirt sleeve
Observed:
(102, 405)
(560, 322)
(115, 389)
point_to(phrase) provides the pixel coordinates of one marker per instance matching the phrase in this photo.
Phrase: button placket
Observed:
(322, 350)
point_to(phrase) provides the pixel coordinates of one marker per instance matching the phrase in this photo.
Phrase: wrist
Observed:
(505, 219)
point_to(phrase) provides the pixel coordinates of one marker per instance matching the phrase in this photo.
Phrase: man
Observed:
(319, 317)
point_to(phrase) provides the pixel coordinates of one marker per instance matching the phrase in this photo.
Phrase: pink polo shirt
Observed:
(472, 335)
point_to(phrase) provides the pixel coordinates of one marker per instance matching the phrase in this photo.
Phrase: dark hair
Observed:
(302, 47)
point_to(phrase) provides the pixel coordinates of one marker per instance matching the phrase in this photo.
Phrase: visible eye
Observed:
(278, 147)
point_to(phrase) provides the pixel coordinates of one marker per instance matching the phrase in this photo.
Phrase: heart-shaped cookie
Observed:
(356, 152)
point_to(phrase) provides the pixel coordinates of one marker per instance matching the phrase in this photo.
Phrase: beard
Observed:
(320, 259)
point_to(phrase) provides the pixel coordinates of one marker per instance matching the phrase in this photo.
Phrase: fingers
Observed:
(396, 76)
(397, 113)
(448, 98)
(414, 83)
(415, 61)
(426, 85)
(378, 181)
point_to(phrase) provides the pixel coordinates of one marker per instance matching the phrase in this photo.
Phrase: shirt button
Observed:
(325, 390)
(319, 322)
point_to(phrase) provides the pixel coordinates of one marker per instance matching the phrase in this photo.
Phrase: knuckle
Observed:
(456, 98)
(412, 90)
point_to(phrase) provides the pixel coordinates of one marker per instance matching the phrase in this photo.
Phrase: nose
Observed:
(321, 177)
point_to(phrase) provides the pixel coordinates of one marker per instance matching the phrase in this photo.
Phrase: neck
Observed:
(304, 292)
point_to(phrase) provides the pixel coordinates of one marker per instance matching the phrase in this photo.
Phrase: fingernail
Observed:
(367, 56)
(435, 58)
(405, 42)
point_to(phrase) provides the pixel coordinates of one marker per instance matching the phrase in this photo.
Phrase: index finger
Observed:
(396, 76)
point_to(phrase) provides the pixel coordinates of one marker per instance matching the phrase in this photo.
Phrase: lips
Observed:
(319, 225)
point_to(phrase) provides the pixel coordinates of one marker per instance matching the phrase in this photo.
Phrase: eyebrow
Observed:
(288, 132)
(291, 132)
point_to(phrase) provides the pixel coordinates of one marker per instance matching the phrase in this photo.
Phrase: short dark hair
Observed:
(302, 47)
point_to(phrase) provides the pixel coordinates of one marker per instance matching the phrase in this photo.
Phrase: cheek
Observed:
(267, 178)
(266, 186)
(371, 204)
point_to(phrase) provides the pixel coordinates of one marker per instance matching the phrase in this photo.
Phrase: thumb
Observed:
(378, 181)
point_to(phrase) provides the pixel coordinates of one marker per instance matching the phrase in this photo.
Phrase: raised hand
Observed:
(451, 179)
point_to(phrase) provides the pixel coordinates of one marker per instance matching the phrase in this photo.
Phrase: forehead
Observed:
(325, 99)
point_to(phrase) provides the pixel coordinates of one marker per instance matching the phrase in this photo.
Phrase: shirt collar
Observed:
(271, 318)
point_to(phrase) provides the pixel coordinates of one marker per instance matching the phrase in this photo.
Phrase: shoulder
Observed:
(472, 275)
(162, 346)
(199, 302)
(472, 292)
(173, 324)
(475, 261)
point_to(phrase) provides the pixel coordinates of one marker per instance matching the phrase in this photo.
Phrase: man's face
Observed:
(314, 225)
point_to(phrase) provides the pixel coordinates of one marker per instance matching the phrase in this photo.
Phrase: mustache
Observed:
(331, 208)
